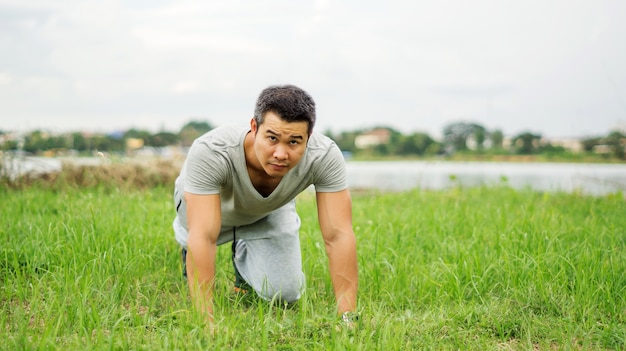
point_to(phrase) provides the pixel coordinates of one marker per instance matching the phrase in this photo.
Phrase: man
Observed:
(239, 185)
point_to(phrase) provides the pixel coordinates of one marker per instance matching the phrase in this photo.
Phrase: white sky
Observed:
(554, 67)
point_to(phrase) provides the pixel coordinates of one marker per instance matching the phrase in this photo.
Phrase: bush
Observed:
(126, 175)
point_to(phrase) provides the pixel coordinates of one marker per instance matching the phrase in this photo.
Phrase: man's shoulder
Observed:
(219, 143)
(320, 141)
(322, 151)
(223, 136)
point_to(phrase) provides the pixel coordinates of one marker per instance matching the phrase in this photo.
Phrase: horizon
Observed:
(438, 136)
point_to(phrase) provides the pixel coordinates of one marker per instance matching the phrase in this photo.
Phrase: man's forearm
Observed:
(344, 272)
(201, 276)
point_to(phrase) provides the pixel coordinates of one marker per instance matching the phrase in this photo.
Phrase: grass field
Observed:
(479, 269)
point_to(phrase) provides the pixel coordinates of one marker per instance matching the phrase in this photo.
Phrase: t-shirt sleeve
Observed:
(206, 171)
(331, 171)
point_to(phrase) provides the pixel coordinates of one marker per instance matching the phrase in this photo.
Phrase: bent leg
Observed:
(269, 259)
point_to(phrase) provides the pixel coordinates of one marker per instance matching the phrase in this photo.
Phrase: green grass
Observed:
(477, 268)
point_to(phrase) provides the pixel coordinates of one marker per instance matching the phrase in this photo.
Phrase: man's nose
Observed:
(280, 152)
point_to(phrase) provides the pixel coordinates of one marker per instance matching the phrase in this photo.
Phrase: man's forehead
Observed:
(285, 128)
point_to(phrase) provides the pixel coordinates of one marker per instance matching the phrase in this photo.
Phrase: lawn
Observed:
(487, 268)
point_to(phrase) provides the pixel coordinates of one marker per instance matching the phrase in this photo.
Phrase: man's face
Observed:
(279, 145)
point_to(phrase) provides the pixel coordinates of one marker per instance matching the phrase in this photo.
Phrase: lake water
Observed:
(594, 179)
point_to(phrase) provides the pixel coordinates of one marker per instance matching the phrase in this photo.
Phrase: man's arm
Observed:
(203, 222)
(335, 218)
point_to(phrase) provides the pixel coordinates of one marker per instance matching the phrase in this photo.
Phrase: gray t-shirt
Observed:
(216, 164)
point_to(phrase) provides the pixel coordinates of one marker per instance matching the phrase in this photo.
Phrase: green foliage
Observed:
(461, 139)
(527, 143)
(414, 144)
(106, 143)
(39, 141)
(475, 268)
(9, 145)
(163, 139)
(497, 139)
(193, 130)
(457, 134)
(615, 141)
(79, 142)
(345, 140)
(138, 134)
(199, 126)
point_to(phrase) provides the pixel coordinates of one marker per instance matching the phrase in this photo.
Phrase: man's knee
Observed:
(284, 290)
(273, 274)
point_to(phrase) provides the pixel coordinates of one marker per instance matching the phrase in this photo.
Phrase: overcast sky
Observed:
(553, 67)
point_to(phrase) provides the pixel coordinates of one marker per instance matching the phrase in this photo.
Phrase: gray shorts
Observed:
(267, 254)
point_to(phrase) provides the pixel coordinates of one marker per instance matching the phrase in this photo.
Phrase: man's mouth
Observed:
(278, 167)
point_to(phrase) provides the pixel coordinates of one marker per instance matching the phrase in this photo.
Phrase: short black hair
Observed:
(289, 102)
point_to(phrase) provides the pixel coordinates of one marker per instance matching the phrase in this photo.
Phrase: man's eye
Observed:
(295, 142)
(272, 138)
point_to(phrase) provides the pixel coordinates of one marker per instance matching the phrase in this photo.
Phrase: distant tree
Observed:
(589, 143)
(9, 145)
(407, 146)
(550, 149)
(200, 126)
(192, 130)
(414, 144)
(497, 139)
(35, 141)
(58, 142)
(79, 142)
(162, 139)
(138, 134)
(108, 143)
(617, 141)
(345, 141)
(391, 146)
(456, 134)
(39, 141)
(527, 143)
(480, 134)
(436, 148)
(329, 133)
(381, 149)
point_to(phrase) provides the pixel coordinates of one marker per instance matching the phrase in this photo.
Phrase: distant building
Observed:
(134, 144)
(507, 142)
(569, 144)
(602, 149)
(7, 137)
(372, 138)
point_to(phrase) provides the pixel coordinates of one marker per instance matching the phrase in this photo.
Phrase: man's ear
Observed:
(253, 126)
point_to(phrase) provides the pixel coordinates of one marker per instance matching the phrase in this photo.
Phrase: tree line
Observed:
(458, 137)
(474, 139)
(38, 141)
